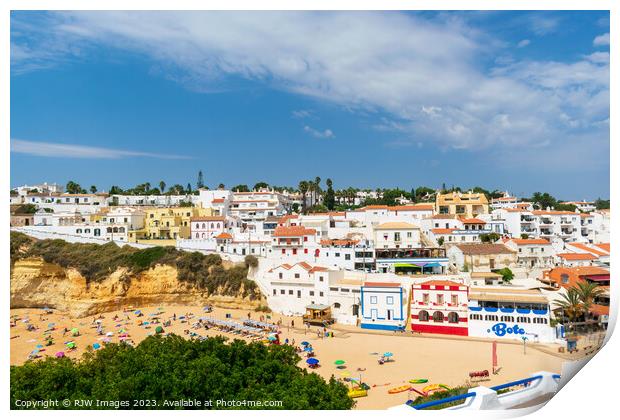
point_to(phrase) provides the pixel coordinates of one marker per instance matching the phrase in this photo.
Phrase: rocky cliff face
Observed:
(37, 284)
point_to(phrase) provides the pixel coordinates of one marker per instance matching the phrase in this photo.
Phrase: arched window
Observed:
(438, 316)
(197, 235)
(109, 230)
(78, 231)
(115, 230)
(336, 305)
(423, 316)
(204, 226)
(121, 230)
(453, 318)
(211, 225)
(203, 236)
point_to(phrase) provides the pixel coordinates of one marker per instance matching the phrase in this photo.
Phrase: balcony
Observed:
(286, 244)
(545, 222)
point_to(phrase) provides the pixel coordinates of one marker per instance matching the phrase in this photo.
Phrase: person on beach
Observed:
(292, 323)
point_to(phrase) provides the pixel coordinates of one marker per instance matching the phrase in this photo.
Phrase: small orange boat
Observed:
(399, 389)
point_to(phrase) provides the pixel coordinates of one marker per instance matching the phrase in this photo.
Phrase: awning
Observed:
(432, 265)
(405, 265)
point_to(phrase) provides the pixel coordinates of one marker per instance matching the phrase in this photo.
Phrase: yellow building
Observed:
(464, 204)
(167, 224)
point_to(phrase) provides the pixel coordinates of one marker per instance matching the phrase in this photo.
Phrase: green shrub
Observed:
(172, 368)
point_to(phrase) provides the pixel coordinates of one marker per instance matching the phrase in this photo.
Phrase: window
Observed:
(438, 316)
(409, 234)
(337, 254)
(347, 257)
(294, 251)
(282, 291)
(320, 278)
(397, 236)
(389, 300)
(564, 278)
(311, 292)
(490, 317)
(299, 294)
(454, 300)
(280, 276)
(423, 316)
(274, 292)
(321, 294)
(426, 298)
(290, 292)
(296, 275)
(507, 318)
(373, 299)
(453, 318)
(283, 251)
(523, 319)
(440, 299)
(336, 305)
(305, 250)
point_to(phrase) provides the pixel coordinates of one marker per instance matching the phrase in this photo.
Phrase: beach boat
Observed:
(357, 392)
(399, 389)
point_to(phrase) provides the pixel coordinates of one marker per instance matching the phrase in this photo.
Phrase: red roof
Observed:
(218, 200)
(603, 246)
(413, 207)
(439, 231)
(293, 231)
(473, 221)
(380, 284)
(574, 256)
(587, 248)
(224, 235)
(531, 241)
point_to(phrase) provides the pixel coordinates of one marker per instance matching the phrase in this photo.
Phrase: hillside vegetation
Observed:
(95, 262)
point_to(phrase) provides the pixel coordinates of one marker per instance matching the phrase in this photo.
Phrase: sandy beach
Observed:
(441, 360)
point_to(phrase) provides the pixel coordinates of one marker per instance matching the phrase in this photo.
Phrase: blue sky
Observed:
(507, 100)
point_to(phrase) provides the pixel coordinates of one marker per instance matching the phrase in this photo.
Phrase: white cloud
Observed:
(62, 150)
(601, 40)
(325, 134)
(423, 76)
(302, 113)
(523, 43)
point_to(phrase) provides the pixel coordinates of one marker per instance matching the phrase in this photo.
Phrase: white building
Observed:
(207, 227)
(532, 253)
(384, 306)
(396, 235)
(439, 307)
(510, 313)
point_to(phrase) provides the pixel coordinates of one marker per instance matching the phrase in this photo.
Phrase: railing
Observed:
(442, 401)
(545, 383)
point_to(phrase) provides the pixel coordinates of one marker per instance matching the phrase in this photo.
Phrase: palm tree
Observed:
(162, 187)
(570, 303)
(587, 293)
(93, 189)
(303, 188)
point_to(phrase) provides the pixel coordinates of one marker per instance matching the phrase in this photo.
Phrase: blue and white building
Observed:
(510, 313)
(384, 306)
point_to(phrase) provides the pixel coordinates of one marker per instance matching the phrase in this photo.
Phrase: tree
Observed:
(74, 188)
(507, 274)
(440, 241)
(177, 189)
(172, 368)
(524, 236)
(543, 200)
(241, 188)
(260, 185)
(570, 304)
(115, 190)
(330, 198)
(221, 186)
(162, 186)
(565, 207)
(200, 183)
(93, 189)
(601, 204)
(189, 189)
(316, 188)
(489, 237)
(587, 293)
(303, 189)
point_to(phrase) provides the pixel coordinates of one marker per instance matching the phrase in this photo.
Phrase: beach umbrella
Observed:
(39, 346)
(159, 329)
(304, 343)
(60, 354)
(35, 351)
(339, 362)
(312, 361)
(75, 331)
(71, 345)
(109, 334)
(96, 346)
(50, 325)
(271, 338)
(388, 354)
(138, 312)
(107, 340)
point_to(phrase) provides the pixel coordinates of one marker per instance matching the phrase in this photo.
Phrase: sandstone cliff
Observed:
(37, 284)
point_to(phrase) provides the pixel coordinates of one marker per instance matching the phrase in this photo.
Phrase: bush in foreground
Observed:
(171, 368)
